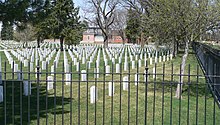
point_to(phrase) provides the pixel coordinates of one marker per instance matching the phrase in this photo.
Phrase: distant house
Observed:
(94, 35)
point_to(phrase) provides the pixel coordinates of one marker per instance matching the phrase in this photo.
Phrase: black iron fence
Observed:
(144, 95)
(209, 59)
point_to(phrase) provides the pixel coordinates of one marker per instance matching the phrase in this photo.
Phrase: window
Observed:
(88, 37)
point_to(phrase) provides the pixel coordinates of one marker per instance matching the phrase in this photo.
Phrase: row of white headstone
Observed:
(111, 88)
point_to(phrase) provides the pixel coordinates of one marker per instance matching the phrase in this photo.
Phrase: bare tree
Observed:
(103, 11)
(120, 23)
(25, 34)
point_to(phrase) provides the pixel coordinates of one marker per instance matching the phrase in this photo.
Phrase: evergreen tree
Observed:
(63, 20)
(133, 26)
(12, 12)
(38, 16)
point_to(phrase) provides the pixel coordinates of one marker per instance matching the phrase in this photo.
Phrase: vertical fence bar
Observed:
(188, 104)
(206, 89)
(13, 72)
(96, 90)
(5, 97)
(38, 90)
(171, 96)
(29, 88)
(71, 93)
(46, 93)
(87, 93)
(137, 94)
(103, 107)
(79, 94)
(21, 75)
(163, 93)
(63, 92)
(120, 96)
(146, 86)
(197, 81)
(154, 99)
(214, 82)
(129, 74)
(55, 93)
(112, 106)
(180, 91)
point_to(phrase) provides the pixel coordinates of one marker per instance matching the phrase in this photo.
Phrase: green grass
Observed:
(135, 94)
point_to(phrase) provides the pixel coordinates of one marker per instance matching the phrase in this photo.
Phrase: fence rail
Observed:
(145, 95)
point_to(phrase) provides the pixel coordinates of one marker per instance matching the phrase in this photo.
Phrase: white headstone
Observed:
(97, 63)
(136, 79)
(75, 61)
(117, 68)
(125, 83)
(167, 57)
(106, 62)
(107, 70)
(25, 63)
(67, 78)
(125, 66)
(89, 65)
(49, 82)
(15, 67)
(83, 60)
(151, 61)
(93, 94)
(19, 75)
(27, 86)
(66, 67)
(171, 56)
(83, 75)
(111, 88)
(154, 71)
(31, 67)
(145, 61)
(77, 66)
(136, 57)
(139, 63)
(44, 65)
(155, 60)
(32, 58)
(52, 70)
(160, 58)
(119, 59)
(36, 62)
(133, 64)
(164, 58)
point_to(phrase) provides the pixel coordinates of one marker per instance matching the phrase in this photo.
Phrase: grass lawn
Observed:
(71, 102)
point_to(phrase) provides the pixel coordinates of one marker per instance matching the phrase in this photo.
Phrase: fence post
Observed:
(38, 82)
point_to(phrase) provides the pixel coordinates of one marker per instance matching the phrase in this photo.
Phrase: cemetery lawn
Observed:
(133, 99)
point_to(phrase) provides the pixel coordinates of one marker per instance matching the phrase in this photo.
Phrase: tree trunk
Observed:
(183, 64)
(38, 42)
(142, 40)
(175, 49)
(61, 43)
(106, 42)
